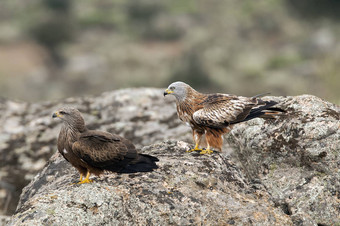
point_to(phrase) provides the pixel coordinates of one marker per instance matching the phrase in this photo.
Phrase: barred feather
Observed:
(213, 114)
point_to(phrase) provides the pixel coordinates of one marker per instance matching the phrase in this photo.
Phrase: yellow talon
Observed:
(86, 180)
(206, 151)
(195, 149)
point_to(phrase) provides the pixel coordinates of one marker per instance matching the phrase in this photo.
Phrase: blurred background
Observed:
(51, 49)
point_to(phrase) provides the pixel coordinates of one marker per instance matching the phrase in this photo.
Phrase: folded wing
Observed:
(222, 110)
(105, 150)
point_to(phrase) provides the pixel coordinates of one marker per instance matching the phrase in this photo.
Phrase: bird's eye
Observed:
(172, 88)
(62, 112)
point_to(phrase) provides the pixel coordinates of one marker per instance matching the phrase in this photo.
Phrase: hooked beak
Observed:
(55, 115)
(167, 91)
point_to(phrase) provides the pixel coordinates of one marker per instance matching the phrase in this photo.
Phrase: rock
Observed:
(297, 158)
(28, 134)
(283, 171)
(188, 188)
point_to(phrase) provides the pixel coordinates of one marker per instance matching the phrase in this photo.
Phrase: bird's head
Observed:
(70, 116)
(178, 89)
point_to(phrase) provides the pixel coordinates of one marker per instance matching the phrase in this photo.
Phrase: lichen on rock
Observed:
(296, 157)
(281, 171)
(188, 188)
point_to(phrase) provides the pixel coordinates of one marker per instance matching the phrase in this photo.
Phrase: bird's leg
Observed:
(207, 150)
(81, 177)
(195, 148)
(86, 180)
(197, 138)
(210, 138)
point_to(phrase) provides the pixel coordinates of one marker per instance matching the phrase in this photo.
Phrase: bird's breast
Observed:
(184, 116)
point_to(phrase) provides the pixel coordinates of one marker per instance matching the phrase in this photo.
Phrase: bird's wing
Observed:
(221, 110)
(104, 150)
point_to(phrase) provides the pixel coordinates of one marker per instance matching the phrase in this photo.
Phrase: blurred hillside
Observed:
(51, 49)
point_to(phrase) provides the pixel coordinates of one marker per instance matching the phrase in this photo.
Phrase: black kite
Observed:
(92, 151)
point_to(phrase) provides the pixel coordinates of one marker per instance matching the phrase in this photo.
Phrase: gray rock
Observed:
(28, 134)
(283, 171)
(187, 189)
(297, 158)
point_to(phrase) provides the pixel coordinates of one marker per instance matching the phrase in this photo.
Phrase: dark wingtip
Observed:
(139, 167)
(146, 163)
(277, 109)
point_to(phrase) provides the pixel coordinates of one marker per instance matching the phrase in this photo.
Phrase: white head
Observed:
(178, 89)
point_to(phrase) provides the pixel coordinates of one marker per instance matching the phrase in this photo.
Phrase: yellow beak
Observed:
(56, 115)
(167, 91)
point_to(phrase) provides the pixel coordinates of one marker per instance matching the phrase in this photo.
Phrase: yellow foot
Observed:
(85, 181)
(194, 149)
(206, 151)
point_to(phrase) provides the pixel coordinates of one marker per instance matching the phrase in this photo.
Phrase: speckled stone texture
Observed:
(188, 188)
(297, 158)
(28, 134)
(271, 172)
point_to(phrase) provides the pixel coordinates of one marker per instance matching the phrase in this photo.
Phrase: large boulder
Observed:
(187, 189)
(296, 157)
(289, 165)
(28, 134)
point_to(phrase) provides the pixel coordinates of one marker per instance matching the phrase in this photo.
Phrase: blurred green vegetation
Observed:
(192, 71)
(315, 9)
(51, 49)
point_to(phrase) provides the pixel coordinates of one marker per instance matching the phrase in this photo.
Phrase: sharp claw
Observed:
(207, 151)
(194, 149)
(85, 181)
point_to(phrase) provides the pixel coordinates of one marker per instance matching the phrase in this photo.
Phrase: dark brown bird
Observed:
(92, 151)
(213, 115)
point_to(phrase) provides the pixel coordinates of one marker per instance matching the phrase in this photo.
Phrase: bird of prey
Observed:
(93, 152)
(213, 115)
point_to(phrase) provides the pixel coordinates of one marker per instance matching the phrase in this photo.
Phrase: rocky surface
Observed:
(188, 188)
(28, 134)
(288, 166)
(297, 158)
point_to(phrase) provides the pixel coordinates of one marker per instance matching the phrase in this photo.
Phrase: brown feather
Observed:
(185, 110)
(95, 151)
(213, 114)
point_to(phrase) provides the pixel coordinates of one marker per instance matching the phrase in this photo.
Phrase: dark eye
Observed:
(172, 88)
(62, 112)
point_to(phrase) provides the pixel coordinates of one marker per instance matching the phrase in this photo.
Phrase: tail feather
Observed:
(277, 109)
(144, 163)
(149, 157)
(265, 111)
